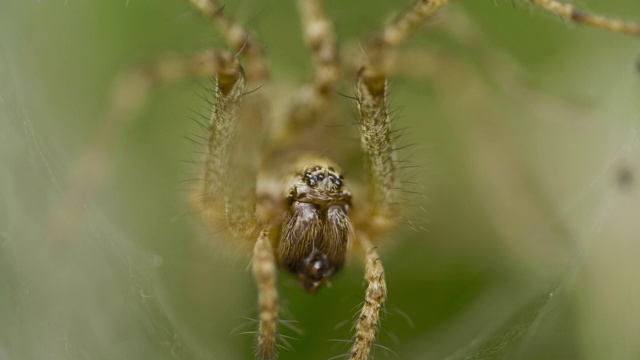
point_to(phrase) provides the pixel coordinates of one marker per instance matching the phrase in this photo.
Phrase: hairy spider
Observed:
(302, 213)
(271, 189)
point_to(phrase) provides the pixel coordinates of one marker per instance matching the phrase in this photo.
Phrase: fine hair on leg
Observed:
(235, 135)
(311, 100)
(264, 273)
(237, 38)
(128, 94)
(374, 122)
(375, 296)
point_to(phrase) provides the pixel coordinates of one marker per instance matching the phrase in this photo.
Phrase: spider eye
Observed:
(310, 179)
(320, 177)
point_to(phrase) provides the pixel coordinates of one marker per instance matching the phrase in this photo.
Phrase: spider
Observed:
(293, 205)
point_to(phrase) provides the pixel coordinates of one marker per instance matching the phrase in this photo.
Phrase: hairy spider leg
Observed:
(232, 163)
(375, 296)
(570, 12)
(384, 185)
(128, 94)
(264, 272)
(312, 99)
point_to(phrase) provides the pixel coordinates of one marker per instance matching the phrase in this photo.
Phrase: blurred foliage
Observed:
(528, 142)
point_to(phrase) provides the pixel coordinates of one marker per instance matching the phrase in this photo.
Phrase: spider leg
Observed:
(379, 152)
(264, 273)
(128, 94)
(384, 186)
(225, 188)
(237, 37)
(570, 12)
(371, 98)
(376, 294)
(379, 48)
(232, 162)
(235, 134)
(312, 99)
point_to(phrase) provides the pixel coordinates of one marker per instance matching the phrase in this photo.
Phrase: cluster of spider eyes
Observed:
(316, 175)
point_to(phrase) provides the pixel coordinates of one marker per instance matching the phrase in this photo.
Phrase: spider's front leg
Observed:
(230, 169)
(234, 131)
(382, 214)
(264, 272)
(384, 185)
(229, 188)
(128, 95)
(371, 98)
(375, 296)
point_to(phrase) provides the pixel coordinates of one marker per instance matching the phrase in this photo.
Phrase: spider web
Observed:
(99, 294)
(593, 283)
(610, 189)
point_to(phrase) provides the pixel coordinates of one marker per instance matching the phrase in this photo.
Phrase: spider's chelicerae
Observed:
(270, 189)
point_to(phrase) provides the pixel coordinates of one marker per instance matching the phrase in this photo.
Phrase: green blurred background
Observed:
(528, 150)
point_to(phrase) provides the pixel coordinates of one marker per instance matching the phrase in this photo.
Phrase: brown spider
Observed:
(292, 204)
(302, 214)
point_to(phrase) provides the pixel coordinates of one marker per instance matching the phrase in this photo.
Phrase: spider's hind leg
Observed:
(312, 99)
(237, 37)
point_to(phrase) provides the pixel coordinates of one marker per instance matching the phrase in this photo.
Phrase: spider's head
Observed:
(317, 230)
(323, 180)
(320, 184)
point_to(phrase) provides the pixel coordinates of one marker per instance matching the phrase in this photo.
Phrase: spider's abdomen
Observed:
(316, 230)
